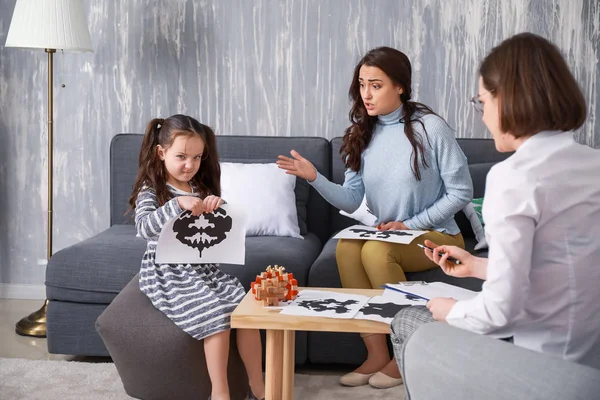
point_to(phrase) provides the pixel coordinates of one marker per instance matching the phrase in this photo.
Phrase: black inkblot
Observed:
(387, 234)
(381, 235)
(218, 224)
(384, 310)
(339, 307)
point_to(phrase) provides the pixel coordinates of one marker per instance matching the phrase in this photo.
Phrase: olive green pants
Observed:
(367, 264)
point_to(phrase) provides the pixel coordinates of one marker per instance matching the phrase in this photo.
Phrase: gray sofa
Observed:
(462, 365)
(83, 279)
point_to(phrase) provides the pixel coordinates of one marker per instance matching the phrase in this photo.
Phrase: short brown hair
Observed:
(535, 88)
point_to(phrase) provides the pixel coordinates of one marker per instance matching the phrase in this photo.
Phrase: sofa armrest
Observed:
(443, 362)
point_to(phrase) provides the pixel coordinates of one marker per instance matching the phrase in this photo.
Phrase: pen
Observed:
(405, 292)
(451, 259)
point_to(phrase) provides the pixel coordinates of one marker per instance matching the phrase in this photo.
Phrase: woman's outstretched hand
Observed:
(298, 166)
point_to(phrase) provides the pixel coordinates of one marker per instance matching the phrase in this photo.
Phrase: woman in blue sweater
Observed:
(405, 159)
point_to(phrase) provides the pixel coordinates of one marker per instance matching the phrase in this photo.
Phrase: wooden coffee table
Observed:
(281, 330)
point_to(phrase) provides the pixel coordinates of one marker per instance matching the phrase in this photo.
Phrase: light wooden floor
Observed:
(15, 346)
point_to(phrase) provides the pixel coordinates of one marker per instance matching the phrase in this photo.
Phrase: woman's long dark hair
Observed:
(151, 169)
(396, 66)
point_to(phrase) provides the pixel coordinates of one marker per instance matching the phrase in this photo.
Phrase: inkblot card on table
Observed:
(322, 303)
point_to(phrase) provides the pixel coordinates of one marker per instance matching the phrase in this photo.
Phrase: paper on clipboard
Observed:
(362, 232)
(431, 290)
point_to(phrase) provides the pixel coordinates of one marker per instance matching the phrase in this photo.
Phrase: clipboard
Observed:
(428, 290)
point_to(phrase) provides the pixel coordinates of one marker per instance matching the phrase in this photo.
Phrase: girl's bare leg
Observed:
(250, 348)
(216, 350)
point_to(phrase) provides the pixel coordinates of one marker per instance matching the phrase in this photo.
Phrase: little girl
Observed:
(179, 170)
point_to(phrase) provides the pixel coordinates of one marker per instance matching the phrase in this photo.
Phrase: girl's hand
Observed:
(458, 270)
(392, 226)
(298, 166)
(211, 203)
(440, 307)
(191, 203)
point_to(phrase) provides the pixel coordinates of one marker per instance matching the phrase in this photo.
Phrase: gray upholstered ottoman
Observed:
(156, 359)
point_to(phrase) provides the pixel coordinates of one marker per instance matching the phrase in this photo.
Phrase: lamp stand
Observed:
(35, 323)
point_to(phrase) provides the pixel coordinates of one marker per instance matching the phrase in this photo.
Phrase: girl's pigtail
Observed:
(150, 141)
(149, 165)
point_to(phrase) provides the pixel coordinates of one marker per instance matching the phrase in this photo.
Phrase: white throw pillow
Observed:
(362, 214)
(469, 211)
(266, 194)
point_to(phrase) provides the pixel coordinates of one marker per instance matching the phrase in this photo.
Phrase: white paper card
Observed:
(321, 303)
(363, 232)
(434, 289)
(211, 238)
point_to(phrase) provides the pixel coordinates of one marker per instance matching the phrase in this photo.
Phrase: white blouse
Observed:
(542, 221)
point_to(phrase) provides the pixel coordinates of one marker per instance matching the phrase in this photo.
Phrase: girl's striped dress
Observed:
(197, 298)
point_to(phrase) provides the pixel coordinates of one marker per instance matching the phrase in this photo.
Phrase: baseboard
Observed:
(22, 291)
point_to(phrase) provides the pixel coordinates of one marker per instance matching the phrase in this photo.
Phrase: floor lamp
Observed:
(48, 25)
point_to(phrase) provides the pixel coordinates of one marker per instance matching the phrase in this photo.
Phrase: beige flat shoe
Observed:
(355, 379)
(380, 380)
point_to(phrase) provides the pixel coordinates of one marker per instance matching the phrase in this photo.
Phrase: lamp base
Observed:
(34, 324)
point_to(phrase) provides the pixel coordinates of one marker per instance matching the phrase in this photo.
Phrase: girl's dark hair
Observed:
(151, 169)
(535, 88)
(396, 66)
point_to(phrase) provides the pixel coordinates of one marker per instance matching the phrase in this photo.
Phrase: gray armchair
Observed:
(442, 362)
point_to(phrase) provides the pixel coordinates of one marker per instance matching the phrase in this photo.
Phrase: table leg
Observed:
(289, 349)
(274, 364)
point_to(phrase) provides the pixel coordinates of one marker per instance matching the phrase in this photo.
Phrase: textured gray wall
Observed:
(263, 67)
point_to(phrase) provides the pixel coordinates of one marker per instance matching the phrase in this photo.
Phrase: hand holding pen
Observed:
(453, 260)
(450, 258)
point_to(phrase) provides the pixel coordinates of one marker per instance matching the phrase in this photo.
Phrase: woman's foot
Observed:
(387, 377)
(391, 369)
(362, 374)
(355, 379)
(383, 381)
(373, 364)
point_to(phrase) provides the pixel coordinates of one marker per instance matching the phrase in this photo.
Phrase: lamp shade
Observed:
(49, 24)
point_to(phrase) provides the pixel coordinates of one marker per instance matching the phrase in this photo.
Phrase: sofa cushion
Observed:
(271, 211)
(301, 191)
(101, 264)
(315, 149)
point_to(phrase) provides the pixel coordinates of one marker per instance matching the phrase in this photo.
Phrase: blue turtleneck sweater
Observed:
(392, 190)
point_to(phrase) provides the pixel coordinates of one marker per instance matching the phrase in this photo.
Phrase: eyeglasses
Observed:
(478, 104)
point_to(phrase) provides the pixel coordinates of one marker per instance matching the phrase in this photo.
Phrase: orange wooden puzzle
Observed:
(274, 285)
